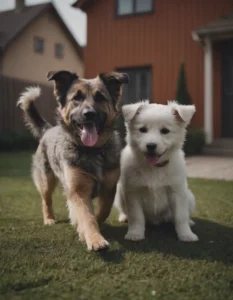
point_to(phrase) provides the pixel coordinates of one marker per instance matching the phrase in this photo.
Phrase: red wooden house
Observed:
(150, 38)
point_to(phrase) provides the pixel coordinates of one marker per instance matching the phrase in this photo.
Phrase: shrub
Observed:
(195, 138)
(195, 141)
(182, 93)
(17, 140)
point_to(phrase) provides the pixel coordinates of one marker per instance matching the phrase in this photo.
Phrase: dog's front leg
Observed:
(79, 190)
(136, 218)
(180, 209)
(107, 194)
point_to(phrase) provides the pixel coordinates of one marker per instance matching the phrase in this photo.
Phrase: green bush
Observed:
(182, 93)
(17, 140)
(195, 141)
(195, 138)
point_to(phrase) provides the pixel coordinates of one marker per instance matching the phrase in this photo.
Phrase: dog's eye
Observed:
(143, 129)
(79, 96)
(164, 131)
(99, 97)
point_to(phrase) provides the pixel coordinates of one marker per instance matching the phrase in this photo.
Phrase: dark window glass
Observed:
(143, 6)
(139, 87)
(59, 50)
(125, 7)
(131, 7)
(38, 45)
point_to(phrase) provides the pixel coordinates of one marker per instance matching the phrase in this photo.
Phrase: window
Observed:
(125, 7)
(132, 7)
(38, 45)
(59, 50)
(139, 87)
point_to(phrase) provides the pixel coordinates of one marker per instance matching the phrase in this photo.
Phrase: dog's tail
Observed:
(33, 120)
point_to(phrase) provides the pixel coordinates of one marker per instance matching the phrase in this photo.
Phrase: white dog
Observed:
(153, 183)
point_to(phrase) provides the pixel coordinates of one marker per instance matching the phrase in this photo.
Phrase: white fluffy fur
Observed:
(72, 208)
(30, 95)
(146, 192)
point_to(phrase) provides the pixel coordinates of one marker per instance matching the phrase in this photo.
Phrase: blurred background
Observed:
(171, 49)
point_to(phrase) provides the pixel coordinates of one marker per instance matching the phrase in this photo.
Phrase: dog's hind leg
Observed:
(192, 204)
(46, 183)
(107, 195)
(181, 213)
(119, 203)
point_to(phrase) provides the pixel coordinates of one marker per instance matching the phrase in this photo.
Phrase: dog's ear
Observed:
(184, 113)
(62, 83)
(131, 110)
(113, 81)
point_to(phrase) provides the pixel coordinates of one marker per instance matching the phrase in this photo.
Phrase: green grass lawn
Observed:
(41, 262)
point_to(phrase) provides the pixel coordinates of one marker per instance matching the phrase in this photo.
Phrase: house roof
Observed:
(12, 24)
(223, 25)
(82, 4)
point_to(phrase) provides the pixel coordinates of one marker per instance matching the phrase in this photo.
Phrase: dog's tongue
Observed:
(89, 135)
(152, 159)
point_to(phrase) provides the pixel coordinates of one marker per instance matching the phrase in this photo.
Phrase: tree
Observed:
(182, 93)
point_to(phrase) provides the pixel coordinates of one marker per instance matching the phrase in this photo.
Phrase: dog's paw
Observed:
(191, 223)
(123, 218)
(189, 237)
(97, 244)
(49, 222)
(134, 236)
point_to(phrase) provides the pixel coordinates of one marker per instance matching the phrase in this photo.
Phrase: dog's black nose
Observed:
(151, 147)
(89, 114)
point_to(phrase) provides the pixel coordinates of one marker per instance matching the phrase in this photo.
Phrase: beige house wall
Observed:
(20, 60)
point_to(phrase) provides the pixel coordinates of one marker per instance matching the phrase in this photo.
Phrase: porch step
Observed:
(220, 147)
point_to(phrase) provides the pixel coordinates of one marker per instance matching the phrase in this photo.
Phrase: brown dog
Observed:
(82, 151)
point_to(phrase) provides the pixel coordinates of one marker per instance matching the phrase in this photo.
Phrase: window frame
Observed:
(55, 50)
(134, 13)
(35, 39)
(138, 69)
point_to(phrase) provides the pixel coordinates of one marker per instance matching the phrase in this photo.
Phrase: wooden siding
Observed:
(162, 40)
(11, 116)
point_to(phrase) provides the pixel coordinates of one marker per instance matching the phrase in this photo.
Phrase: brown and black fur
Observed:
(85, 172)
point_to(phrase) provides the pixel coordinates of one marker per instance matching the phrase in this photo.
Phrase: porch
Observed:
(218, 113)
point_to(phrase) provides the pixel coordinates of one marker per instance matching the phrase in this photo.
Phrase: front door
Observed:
(227, 89)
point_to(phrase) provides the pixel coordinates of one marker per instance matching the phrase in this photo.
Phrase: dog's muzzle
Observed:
(89, 115)
(89, 125)
(151, 155)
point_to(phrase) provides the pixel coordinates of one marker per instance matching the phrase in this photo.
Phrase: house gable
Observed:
(12, 24)
(21, 61)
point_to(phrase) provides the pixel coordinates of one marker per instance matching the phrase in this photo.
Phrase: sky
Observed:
(74, 18)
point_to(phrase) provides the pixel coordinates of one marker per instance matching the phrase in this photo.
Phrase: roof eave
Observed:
(48, 7)
(70, 35)
(211, 32)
